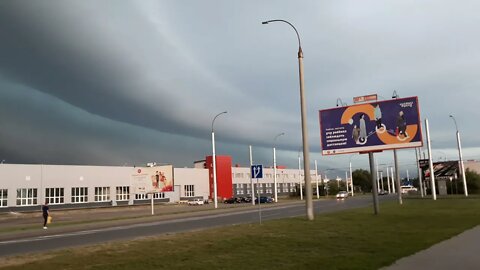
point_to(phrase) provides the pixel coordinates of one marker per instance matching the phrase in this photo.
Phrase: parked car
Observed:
(382, 192)
(342, 195)
(196, 202)
(248, 199)
(264, 200)
(230, 201)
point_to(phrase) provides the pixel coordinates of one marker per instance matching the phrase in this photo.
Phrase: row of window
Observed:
(267, 185)
(29, 196)
(268, 190)
(285, 189)
(267, 175)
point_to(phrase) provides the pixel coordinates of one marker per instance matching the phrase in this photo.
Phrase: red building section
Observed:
(224, 176)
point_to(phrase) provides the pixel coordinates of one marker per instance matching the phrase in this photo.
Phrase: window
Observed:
(141, 196)
(26, 196)
(3, 197)
(102, 194)
(189, 190)
(269, 190)
(249, 191)
(79, 194)
(145, 196)
(54, 195)
(159, 195)
(240, 192)
(239, 186)
(123, 193)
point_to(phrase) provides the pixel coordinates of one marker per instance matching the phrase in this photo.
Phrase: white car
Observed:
(342, 195)
(407, 189)
(196, 202)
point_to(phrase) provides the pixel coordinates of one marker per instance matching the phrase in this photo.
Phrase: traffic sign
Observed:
(257, 171)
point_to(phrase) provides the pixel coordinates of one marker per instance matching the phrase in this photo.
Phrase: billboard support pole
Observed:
(430, 161)
(397, 177)
(373, 173)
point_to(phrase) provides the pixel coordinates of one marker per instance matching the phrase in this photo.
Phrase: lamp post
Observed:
(316, 179)
(275, 167)
(300, 176)
(215, 199)
(460, 156)
(351, 176)
(306, 154)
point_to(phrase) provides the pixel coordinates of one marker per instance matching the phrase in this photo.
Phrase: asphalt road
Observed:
(127, 232)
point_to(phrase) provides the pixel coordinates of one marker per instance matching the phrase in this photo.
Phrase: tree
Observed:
(333, 186)
(362, 179)
(473, 181)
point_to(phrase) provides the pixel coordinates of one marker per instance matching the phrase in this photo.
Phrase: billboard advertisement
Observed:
(152, 179)
(443, 169)
(369, 127)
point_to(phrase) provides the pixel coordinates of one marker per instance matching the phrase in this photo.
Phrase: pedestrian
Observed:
(45, 211)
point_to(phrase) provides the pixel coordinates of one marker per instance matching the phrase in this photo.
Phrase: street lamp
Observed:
(460, 156)
(275, 167)
(339, 101)
(306, 154)
(300, 173)
(214, 161)
(351, 176)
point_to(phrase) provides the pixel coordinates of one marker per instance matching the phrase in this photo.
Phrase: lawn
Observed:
(353, 239)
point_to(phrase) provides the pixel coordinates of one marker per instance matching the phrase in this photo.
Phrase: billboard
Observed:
(152, 179)
(376, 126)
(443, 169)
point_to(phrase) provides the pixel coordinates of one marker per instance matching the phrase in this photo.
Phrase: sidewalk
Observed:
(459, 252)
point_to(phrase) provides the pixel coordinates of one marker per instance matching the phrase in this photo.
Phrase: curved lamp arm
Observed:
(213, 121)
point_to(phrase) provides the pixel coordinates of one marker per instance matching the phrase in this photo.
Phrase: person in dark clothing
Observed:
(45, 211)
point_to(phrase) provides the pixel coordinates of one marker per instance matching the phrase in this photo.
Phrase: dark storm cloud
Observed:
(128, 72)
(40, 51)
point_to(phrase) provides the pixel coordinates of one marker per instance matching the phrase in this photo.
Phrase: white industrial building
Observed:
(24, 187)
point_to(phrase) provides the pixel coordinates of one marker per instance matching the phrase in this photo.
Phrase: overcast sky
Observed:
(130, 82)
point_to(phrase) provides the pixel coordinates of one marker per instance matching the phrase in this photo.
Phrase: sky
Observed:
(130, 82)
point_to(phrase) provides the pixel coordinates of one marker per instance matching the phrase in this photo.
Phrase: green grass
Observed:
(353, 239)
